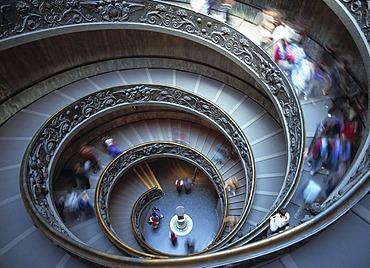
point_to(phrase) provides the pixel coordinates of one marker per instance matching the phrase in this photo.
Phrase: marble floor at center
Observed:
(200, 205)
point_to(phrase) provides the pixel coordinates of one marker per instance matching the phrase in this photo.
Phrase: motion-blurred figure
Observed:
(85, 204)
(222, 154)
(188, 184)
(71, 205)
(181, 137)
(112, 147)
(319, 153)
(227, 6)
(311, 193)
(60, 206)
(88, 155)
(173, 238)
(282, 35)
(178, 184)
(340, 78)
(201, 6)
(300, 69)
(232, 220)
(231, 185)
(82, 175)
(190, 245)
(321, 81)
(267, 21)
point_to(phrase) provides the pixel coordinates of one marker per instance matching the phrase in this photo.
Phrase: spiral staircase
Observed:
(228, 94)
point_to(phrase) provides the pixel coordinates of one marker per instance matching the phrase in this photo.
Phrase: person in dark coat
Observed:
(188, 183)
(173, 238)
(87, 154)
(190, 245)
(82, 175)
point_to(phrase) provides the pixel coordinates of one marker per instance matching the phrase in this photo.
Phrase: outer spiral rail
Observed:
(262, 121)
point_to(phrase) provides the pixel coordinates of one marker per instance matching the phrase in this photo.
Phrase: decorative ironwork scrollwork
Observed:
(50, 137)
(139, 154)
(141, 204)
(361, 12)
(62, 13)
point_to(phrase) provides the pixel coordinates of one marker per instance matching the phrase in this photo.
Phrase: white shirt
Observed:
(277, 221)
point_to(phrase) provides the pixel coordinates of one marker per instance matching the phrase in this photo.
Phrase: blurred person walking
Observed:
(87, 154)
(231, 185)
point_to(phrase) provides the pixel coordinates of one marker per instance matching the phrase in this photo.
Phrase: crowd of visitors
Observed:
(74, 203)
(335, 141)
(331, 149)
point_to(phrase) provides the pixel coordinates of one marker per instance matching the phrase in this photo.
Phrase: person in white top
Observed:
(278, 222)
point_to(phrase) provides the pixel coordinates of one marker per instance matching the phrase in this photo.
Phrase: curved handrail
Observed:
(135, 155)
(48, 142)
(140, 205)
(363, 172)
(210, 32)
(220, 37)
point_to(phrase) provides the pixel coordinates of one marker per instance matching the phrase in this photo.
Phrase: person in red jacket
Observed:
(173, 238)
(179, 183)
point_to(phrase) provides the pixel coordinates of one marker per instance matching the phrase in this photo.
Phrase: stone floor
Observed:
(200, 205)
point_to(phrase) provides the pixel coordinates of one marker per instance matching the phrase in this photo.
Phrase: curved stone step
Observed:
(259, 127)
(17, 132)
(121, 203)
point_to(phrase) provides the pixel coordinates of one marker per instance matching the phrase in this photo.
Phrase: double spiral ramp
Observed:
(142, 109)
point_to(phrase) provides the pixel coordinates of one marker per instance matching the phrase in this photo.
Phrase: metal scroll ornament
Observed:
(361, 12)
(50, 137)
(152, 150)
(19, 17)
(24, 17)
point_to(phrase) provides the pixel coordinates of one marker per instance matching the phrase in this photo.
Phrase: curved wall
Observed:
(30, 70)
(52, 70)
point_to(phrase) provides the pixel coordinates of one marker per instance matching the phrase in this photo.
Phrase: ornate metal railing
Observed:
(28, 19)
(49, 141)
(134, 156)
(360, 10)
(138, 221)
(36, 16)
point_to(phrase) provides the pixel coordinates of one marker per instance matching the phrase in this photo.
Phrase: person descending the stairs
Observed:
(112, 147)
(173, 238)
(89, 156)
(278, 222)
(231, 185)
